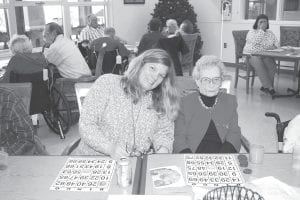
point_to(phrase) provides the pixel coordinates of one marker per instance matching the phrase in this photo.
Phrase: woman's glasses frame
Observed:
(214, 81)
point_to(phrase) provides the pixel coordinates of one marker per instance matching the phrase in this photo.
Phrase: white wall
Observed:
(130, 22)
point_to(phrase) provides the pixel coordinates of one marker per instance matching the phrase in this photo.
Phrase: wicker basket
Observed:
(232, 193)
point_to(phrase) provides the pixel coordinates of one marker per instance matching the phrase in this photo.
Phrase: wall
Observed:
(131, 22)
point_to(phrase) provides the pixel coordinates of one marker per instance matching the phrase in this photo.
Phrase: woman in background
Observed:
(132, 114)
(23, 60)
(208, 119)
(258, 40)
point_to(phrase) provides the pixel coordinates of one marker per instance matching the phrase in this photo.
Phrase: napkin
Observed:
(273, 189)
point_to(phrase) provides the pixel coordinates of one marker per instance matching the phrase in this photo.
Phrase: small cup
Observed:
(3, 158)
(296, 157)
(256, 153)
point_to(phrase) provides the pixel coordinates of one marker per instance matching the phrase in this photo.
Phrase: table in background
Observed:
(285, 55)
(276, 165)
(30, 177)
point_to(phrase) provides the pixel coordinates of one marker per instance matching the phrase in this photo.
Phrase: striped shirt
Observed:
(89, 33)
(16, 129)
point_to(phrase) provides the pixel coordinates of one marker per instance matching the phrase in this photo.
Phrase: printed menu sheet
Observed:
(212, 170)
(85, 174)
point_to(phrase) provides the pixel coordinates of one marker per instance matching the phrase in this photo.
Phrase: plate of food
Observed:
(169, 176)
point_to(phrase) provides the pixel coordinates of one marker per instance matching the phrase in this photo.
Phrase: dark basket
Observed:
(232, 193)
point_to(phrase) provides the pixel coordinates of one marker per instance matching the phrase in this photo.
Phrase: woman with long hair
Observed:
(132, 114)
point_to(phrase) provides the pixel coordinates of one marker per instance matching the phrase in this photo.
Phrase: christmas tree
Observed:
(179, 10)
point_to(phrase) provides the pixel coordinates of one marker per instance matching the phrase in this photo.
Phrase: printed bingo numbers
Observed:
(85, 174)
(212, 170)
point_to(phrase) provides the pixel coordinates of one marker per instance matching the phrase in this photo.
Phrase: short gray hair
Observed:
(20, 44)
(205, 62)
(172, 22)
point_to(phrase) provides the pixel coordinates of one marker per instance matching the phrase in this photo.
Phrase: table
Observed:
(276, 165)
(285, 55)
(30, 177)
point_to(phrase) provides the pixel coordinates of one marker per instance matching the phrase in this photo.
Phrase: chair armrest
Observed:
(245, 143)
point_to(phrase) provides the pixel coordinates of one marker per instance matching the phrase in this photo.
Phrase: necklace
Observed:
(206, 107)
(134, 123)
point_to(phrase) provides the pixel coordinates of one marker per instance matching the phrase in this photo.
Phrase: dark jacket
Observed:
(193, 121)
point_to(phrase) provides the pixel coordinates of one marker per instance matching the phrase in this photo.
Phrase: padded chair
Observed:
(71, 147)
(81, 90)
(23, 90)
(289, 36)
(241, 60)
(67, 86)
(188, 58)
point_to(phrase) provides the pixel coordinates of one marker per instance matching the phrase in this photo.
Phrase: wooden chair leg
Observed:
(236, 76)
(247, 79)
(295, 71)
(253, 78)
(278, 67)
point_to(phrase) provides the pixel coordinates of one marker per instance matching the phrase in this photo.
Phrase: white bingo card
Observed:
(85, 174)
(212, 170)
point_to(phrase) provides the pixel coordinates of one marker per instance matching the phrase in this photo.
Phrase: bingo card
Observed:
(85, 174)
(212, 170)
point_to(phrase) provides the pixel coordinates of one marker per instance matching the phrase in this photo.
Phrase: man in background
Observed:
(63, 53)
(16, 129)
(92, 31)
(150, 39)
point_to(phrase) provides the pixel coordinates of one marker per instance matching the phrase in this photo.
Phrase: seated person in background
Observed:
(208, 121)
(23, 60)
(171, 28)
(16, 129)
(63, 53)
(261, 39)
(187, 28)
(92, 31)
(132, 114)
(25, 66)
(173, 44)
(150, 39)
(107, 48)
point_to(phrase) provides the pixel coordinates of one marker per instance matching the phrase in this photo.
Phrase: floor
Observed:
(255, 126)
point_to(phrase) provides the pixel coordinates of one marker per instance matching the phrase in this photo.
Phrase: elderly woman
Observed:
(261, 39)
(132, 114)
(23, 60)
(208, 119)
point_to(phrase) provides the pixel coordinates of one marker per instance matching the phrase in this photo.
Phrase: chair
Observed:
(67, 87)
(81, 90)
(280, 127)
(187, 60)
(71, 147)
(23, 90)
(289, 36)
(241, 60)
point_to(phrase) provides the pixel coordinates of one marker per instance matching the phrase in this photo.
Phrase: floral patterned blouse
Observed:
(108, 116)
(258, 40)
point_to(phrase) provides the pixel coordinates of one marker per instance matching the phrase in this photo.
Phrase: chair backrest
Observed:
(290, 36)
(39, 98)
(188, 58)
(239, 38)
(71, 147)
(81, 90)
(23, 90)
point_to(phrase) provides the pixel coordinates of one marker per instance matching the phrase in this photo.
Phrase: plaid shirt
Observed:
(89, 33)
(16, 129)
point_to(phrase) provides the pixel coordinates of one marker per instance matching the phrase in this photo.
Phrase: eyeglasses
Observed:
(133, 151)
(214, 81)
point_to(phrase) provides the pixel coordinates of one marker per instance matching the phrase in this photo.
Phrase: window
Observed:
(29, 17)
(257, 7)
(4, 29)
(291, 10)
